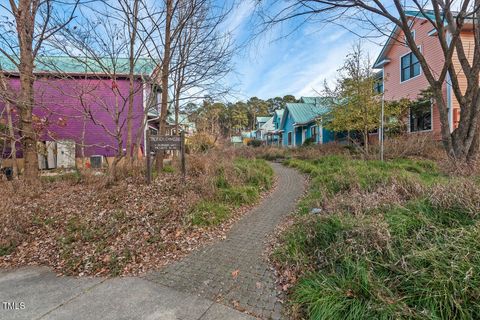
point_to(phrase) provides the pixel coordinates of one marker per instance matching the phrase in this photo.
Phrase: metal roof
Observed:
(311, 100)
(84, 65)
(262, 119)
(268, 125)
(303, 113)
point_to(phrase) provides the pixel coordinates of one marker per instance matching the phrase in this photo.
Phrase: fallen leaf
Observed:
(235, 274)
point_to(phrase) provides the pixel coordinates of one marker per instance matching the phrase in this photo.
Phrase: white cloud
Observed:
(240, 14)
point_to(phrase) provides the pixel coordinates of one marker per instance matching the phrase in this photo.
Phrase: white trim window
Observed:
(409, 67)
(289, 138)
(421, 117)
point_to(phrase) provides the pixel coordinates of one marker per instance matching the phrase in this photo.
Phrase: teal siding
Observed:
(298, 136)
(287, 127)
(328, 136)
(305, 114)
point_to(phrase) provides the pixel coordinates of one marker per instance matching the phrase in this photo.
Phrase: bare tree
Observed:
(448, 18)
(6, 97)
(201, 57)
(21, 42)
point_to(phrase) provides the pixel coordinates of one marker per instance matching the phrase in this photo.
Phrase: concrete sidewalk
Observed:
(37, 293)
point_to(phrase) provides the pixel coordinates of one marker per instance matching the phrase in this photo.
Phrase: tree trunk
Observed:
(165, 74)
(13, 140)
(11, 129)
(25, 29)
(133, 34)
(365, 140)
(461, 145)
(27, 133)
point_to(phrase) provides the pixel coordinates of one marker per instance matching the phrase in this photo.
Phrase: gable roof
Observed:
(262, 119)
(84, 65)
(383, 57)
(278, 114)
(311, 100)
(303, 113)
(267, 126)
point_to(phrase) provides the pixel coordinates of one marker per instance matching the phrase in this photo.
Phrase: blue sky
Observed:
(280, 62)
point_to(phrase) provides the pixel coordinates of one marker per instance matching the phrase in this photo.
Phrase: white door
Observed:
(66, 154)
(51, 154)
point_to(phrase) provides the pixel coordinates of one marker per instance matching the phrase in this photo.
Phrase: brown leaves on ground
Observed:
(90, 228)
(87, 229)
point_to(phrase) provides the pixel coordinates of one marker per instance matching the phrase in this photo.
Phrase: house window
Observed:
(289, 138)
(378, 87)
(421, 117)
(410, 66)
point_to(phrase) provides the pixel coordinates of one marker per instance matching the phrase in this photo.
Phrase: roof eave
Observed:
(78, 74)
(381, 63)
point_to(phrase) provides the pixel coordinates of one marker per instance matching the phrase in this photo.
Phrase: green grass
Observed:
(168, 169)
(7, 249)
(414, 260)
(74, 177)
(255, 175)
(208, 213)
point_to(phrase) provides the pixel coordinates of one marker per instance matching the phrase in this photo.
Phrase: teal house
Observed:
(303, 122)
(274, 135)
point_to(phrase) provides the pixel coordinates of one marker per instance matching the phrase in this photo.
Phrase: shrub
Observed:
(254, 143)
(413, 145)
(200, 142)
(309, 142)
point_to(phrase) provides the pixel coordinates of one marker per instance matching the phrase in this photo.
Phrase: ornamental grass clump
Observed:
(393, 240)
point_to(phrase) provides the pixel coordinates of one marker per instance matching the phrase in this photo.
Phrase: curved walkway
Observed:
(234, 271)
(202, 286)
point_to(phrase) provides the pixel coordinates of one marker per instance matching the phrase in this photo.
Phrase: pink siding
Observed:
(394, 88)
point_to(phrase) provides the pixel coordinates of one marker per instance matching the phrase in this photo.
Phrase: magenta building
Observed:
(81, 108)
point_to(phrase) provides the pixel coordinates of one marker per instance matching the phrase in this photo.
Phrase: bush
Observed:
(199, 142)
(254, 143)
(309, 142)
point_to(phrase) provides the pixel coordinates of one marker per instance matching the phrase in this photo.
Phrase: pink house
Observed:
(403, 77)
(81, 108)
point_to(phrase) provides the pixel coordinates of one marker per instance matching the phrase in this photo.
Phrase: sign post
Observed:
(182, 151)
(149, 161)
(161, 143)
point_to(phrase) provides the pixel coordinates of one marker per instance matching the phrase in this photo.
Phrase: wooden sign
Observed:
(157, 144)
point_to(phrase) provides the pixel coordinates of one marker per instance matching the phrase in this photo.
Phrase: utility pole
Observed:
(382, 127)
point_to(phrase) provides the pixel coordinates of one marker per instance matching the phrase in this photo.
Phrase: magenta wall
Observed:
(95, 108)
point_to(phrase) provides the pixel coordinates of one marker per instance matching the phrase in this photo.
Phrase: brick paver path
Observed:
(208, 271)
